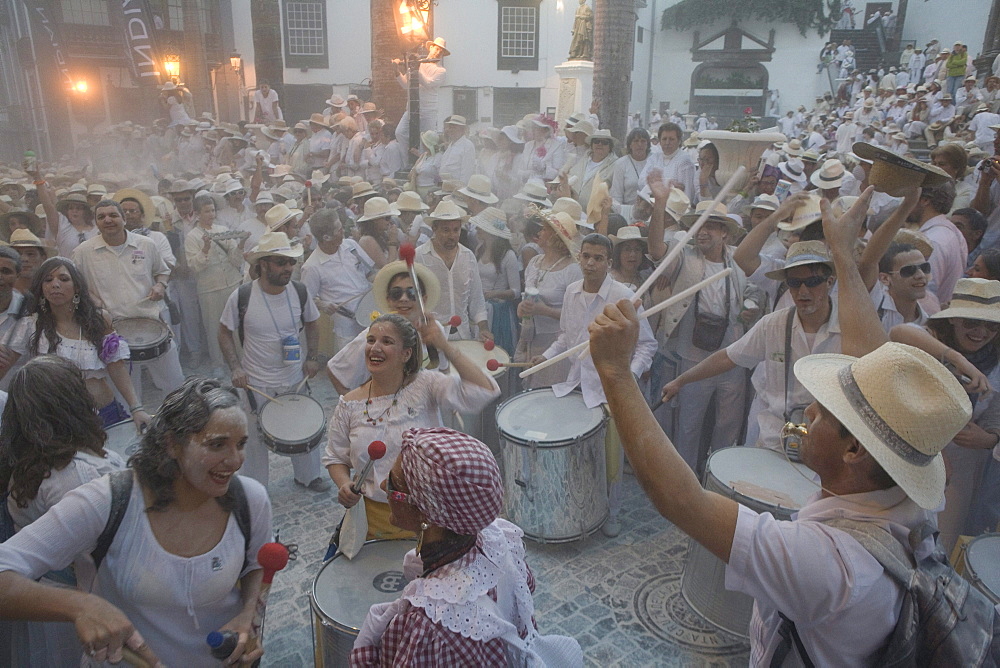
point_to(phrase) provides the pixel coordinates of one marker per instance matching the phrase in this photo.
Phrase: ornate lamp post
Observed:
(172, 65)
(412, 17)
(236, 62)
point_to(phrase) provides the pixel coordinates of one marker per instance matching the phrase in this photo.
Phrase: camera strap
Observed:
(788, 357)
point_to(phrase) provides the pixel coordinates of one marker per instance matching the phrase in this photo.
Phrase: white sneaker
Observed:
(612, 527)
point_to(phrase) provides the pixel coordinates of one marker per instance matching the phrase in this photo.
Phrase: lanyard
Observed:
(291, 314)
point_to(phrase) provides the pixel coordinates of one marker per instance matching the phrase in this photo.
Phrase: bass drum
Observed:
(364, 309)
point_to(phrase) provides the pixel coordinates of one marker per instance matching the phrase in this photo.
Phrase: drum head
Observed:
(296, 419)
(475, 351)
(982, 559)
(345, 588)
(142, 332)
(363, 309)
(538, 415)
(123, 438)
(764, 468)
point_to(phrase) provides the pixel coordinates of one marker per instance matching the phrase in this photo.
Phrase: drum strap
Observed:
(121, 493)
(788, 357)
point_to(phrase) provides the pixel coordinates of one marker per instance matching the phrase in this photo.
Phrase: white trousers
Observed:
(165, 371)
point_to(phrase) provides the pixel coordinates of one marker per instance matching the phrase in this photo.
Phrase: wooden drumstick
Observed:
(493, 365)
(298, 388)
(266, 396)
(666, 303)
(272, 557)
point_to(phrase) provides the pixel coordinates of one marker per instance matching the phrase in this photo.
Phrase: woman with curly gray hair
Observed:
(183, 560)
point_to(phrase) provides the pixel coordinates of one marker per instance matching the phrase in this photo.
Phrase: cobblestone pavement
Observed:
(619, 597)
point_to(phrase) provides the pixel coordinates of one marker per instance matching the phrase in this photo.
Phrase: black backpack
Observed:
(243, 302)
(943, 622)
(121, 492)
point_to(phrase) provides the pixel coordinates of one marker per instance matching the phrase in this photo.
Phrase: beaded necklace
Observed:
(373, 421)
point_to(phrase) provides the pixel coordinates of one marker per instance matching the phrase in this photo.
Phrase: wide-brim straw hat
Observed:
(33, 221)
(793, 148)
(586, 127)
(380, 284)
(274, 243)
(410, 201)
(599, 134)
(802, 253)
(144, 200)
(533, 191)
(362, 189)
(628, 233)
(440, 43)
(794, 169)
(893, 174)
(512, 133)
(678, 204)
(455, 119)
(378, 207)
(766, 202)
(719, 214)
(830, 175)
(446, 210)
(571, 207)
(492, 221)
(566, 229)
(11, 183)
(805, 214)
(901, 404)
(279, 215)
(25, 239)
(337, 101)
(71, 198)
(480, 188)
(916, 239)
(974, 298)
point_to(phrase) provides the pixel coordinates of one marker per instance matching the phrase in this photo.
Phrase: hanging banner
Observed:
(44, 18)
(135, 20)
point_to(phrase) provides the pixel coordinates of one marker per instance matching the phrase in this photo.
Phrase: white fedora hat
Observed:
(628, 233)
(805, 214)
(492, 221)
(278, 215)
(410, 201)
(534, 191)
(793, 169)
(274, 243)
(974, 298)
(378, 207)
(446, 210)
(901, 404)
(480, 188)
(802, 253)
(829, 175)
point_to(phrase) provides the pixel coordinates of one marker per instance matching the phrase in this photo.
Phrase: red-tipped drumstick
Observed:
(493, 365)
(309, 192)
(376, 451)
(408, 253)
(488, 344)
(272, 557)
(454, 322)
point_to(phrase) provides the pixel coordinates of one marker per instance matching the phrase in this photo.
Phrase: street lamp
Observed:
(236, 61)
(412, 18)
(81, 87)
(172, 64)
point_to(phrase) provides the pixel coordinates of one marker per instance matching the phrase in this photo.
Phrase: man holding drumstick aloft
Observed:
(584, 300)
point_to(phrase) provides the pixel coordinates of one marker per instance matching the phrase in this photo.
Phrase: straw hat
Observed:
(410, 201)
(492, 221)
(378, 207)
(348, 124)
(628, 233)
(793, 169)
(512, 133)
(368, 108)
(380, 284)
(916, 239)
(320, 120)
(830, 175)
(278, 215)
(318, 178)
(274, 243)
(96, 189)
(144, 200)
(70, 198)
(480, 188)
(446, 210)
(25, 239)
(793, 149)
(974, 298)
(892, 174)
(11, 183)
(455, 119)
(812, 155)
(569, 206)
(692, 140)
(583, 126)
(565, 228)
(766, 202)
(533, 191)
(440, 43)
(719, 214)
(805, 214)
(901, 404)
(337, 102)
(599, 134)
(362, 189)
(32, 220)
(802, 253)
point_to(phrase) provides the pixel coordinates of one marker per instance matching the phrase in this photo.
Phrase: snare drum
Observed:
(364, 308)
(345, 589)
(982, 564)
(777, 489)
(147, 338)
(292, 427)
(554, 467)
(475, 351)
(123, 438)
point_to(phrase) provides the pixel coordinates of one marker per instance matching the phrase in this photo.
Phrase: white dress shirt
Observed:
(577, 313)
(337, 278)
(459, 160)
(679, 167)
(122, 277)
(461, 287)
(951, 252)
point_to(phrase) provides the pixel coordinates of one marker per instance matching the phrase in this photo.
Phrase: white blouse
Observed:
(551, 288)
(508, 278)
(85, 354)
(418, 404)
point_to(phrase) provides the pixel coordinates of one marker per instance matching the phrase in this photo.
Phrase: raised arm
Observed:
(747, 254)
(882, 238)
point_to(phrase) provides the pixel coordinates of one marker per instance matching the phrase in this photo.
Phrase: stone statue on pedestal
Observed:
(582, 46)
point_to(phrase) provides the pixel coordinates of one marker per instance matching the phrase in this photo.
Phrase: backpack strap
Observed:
(241, 511)
(880, 544)
(788, 357)
(242, 303)
(121, 492)
(789, 640)
(303, 298)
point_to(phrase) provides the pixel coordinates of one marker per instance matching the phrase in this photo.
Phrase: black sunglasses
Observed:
(909, 270)
(282, 262)
(397, 293)
(811, 282)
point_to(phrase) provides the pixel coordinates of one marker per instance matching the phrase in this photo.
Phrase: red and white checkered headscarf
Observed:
(453, 479)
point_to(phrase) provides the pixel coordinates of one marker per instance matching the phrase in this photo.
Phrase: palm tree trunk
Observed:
(194, 68)
(614, 48)
(386, 92)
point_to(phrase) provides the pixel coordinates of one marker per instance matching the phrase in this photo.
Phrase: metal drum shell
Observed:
(123, 438)
(286, 447)
(987, 545)
(565, 495)
(140, 351)
(333, 640)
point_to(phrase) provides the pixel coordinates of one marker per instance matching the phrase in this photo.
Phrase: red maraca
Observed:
(376, 451)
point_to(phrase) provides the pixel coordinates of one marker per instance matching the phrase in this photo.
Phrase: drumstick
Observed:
(454, 322)
(489, 344)
(409, 253)
(266, 396)
(493, 365)
(682, 242)
(298, 387)
(376, 451)
(272, 557)
(683, 294)
(309, 192)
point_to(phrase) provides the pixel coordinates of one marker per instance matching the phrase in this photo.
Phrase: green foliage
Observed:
(748, 123)
(805, 14)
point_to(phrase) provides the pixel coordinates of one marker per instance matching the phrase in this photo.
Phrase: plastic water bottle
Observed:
(30, 162)
(532, 295)
(222, 643)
